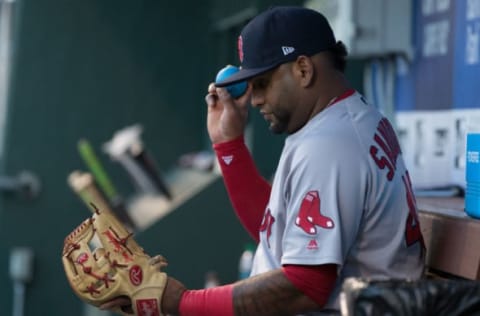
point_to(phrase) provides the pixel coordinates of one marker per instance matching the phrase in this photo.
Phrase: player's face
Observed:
(273, 93)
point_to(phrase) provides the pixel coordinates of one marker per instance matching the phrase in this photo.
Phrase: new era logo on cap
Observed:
(287, 50)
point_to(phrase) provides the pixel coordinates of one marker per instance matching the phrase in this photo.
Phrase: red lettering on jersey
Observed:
(382, 162)
(387, 141)
(413, 233)
(310, 216)
(266, 225)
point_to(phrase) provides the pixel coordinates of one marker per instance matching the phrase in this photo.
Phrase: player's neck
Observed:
(329, 92)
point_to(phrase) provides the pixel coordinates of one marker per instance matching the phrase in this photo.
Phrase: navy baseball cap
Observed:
(280, 35)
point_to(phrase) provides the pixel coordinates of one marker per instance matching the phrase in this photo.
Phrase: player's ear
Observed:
(304, 70)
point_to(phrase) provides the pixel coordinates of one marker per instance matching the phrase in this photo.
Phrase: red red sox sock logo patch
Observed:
(310, 216)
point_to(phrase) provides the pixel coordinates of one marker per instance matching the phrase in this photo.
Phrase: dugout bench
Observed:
(451, 236)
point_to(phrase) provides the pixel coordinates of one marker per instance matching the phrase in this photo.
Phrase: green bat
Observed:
(97, 170)
(103, 181)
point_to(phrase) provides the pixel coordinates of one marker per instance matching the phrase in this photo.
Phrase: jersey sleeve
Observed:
(325, 190)
(247, 189)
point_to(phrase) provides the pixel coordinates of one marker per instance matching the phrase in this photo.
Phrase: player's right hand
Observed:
(227, 117)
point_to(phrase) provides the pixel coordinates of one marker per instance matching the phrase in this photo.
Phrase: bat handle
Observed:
(83, 185)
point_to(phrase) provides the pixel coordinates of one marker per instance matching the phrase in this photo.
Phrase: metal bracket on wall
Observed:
(25, 183)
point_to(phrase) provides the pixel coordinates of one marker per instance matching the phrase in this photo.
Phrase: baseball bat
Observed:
(96, 168)
(148, 166)
(102, 179)
(127, 148)
(83, 184)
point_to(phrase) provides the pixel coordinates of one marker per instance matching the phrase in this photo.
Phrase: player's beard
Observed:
(279, 123)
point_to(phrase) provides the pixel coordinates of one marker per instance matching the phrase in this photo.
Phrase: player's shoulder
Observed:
(335, 145)
(345, 125)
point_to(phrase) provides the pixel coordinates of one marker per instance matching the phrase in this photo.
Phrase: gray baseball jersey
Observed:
(342, 195)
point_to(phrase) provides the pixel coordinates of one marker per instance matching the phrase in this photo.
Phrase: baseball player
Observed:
(341, 203)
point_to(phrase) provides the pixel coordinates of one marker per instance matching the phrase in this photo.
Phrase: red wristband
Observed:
(216, 301)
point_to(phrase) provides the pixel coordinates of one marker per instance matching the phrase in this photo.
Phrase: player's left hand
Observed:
(171, 300)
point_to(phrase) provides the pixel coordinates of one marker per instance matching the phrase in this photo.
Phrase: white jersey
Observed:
(342, 195)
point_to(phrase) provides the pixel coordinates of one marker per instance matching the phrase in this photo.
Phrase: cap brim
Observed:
(242, 75)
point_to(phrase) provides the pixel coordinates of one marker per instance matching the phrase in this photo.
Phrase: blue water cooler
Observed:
(472, 176)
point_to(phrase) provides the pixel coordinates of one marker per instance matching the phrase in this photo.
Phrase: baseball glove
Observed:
(117, 265)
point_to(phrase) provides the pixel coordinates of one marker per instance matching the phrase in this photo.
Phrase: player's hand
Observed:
(227, 117)
(172, 296)
(170, 301)
(122, 302)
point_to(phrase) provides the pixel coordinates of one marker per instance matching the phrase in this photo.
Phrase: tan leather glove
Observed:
(102, 261)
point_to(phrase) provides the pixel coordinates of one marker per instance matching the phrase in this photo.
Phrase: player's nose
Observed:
(258, 99)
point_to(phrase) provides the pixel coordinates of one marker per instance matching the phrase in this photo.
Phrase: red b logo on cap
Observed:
(240, 48)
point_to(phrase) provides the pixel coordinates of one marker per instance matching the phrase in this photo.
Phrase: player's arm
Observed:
(287, 291)
(226, 122)
(248, 190)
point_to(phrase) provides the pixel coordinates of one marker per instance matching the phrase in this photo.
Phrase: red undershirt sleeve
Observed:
(248, 190)
(316, 282)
